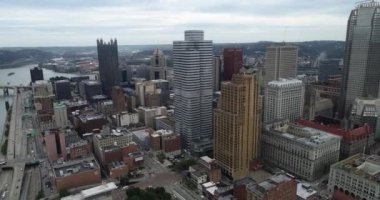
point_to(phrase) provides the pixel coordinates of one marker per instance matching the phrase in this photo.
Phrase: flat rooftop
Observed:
(304, 135)
(75, 166)
(366, 166)
(267, 185)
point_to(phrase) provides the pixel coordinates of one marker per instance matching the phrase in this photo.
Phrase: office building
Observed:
(147, 115)
(217, 72)
(62, 90)
(153, 93)
(232, 62)
(158, 65)
(88, 120)
(90, 88)
(361, 62)
(76, 80)
(108, 57)
(76, 147)
(192, 63)
(366, 110)
(357, 176)
(279, 186)
(284, 99)
(328, 67)
(60, 115)
(281, 62)
(166, 141)
(237, 125)
(353, 141)
(126, 118)
(55, 144)
(42, 89)
(119, 99)
(302, 151)
(36, 74)
(77, 173)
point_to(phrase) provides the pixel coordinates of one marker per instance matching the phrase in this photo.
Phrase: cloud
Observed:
(72, 22)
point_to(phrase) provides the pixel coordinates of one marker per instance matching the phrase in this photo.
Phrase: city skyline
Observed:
(71, 23)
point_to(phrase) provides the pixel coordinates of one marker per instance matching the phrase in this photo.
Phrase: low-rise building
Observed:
(303, 151)
(118, 169)
(126, 118)
(77, 173)
(147, 115)
(279, 186)
(357, 176)
(166, 141)
(305, 192)
(101, 192)
(367, 110)
(353, 141)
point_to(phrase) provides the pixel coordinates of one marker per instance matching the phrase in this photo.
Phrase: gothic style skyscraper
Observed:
(361, 72)
(193, 62)
(158, 65)
(108, 65)
(237, 125)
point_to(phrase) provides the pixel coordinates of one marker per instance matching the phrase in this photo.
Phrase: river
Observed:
(21, 76)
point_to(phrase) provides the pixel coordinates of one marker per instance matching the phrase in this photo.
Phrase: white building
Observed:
(42, 89)
(357, 176)
(193, 88)
(284, 99)
(367, 110)
(126, 118)
(60, 115)
(302, 151)
(147, 115)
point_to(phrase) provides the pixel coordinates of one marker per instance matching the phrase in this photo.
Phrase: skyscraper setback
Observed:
(237, 125)
(108, 65)
(193, 62)
(361, 71)
(281, 62)
(232, 62)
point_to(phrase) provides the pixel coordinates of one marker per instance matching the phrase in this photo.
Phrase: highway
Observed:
(17, 144)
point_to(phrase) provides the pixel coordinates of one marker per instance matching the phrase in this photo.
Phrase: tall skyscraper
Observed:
(361, 71)
(284, 99)
(217, 71)
(192, 59)
(62, 89)
(36, 74)
(281, 62)
(158, 65)
(108, 65)
(232, 62)
(237, 125)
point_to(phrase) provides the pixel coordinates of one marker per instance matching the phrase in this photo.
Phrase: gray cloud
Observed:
(73, 22)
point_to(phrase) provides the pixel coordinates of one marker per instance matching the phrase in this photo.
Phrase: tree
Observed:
(184, 164)
(63, 193)
(4, 147)
(124, 180)
(158, 193)
(40, 195)
(161, 157)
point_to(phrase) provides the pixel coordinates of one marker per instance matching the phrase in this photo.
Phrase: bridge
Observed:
(6, 88)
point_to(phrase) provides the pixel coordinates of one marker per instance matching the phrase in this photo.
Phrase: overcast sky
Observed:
(80, 22)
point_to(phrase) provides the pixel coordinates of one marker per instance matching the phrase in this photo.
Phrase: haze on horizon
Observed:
(26, 23)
